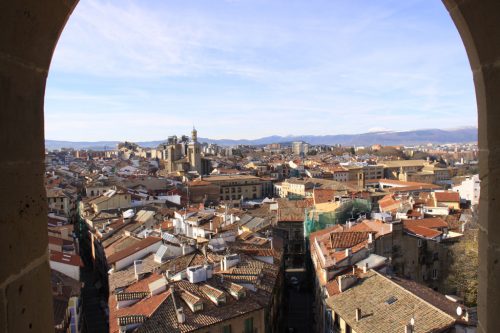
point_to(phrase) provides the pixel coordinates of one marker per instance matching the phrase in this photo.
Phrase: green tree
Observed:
(463, 272)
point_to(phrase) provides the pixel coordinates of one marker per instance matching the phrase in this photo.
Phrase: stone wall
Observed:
(28, 35)
(29, 30)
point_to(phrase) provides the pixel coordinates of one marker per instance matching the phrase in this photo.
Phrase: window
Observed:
(419, 243)
(434, 274)
(226, 329)
(249, 325)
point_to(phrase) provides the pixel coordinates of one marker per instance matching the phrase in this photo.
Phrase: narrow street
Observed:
(94, 302)
(93, 311)
(298, 304)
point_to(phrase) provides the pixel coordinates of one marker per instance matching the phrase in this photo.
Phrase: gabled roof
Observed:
(387, 306)
(377, 226)
(388, 203)
(432, 222)
(449, 196)
(132, 249)
(423, 231)
(347, 239)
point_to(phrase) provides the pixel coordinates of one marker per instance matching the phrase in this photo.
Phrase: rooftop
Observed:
(387, 306)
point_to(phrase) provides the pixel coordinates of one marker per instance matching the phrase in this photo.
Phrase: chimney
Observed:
(211, 226)
(370, 238)
(348, 252)
(138, 269)
(358, 314)
(181, 317)
(345, 281)
(408, 328)
(365, 267)
(222, 268)
(391, 226)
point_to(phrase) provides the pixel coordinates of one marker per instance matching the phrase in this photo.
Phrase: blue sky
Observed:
(144, 70)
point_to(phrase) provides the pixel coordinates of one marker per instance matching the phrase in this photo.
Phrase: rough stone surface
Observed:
(3, 311)
(30, 29)
(28, 35)
(479, 26)
(25, 312)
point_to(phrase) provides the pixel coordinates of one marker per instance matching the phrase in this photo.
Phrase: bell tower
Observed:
(194, 152)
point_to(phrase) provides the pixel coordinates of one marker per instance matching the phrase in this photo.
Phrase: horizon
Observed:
(239, 68)
(269, 136)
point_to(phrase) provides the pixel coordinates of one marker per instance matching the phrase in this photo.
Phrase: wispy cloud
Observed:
(254, 68)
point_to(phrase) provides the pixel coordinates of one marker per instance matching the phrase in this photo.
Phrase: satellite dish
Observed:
(459, 310)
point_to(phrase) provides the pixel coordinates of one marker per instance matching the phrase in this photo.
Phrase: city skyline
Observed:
(236, 69)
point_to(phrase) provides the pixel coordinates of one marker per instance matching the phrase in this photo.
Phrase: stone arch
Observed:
(29, 31)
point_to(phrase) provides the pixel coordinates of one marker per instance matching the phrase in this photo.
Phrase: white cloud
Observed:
(257, 68)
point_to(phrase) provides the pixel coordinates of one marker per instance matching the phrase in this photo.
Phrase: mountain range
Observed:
(437, 136)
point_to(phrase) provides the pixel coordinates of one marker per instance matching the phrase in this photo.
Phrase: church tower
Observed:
(194, 152)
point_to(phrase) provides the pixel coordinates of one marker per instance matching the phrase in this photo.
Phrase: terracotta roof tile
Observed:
(66, 258)
(447, 196)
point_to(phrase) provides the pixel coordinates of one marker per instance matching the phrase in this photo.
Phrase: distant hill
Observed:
(460, 135)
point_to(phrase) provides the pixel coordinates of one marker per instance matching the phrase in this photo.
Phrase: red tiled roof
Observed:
(423, 231)
(335, 228)
(323, 195)
(377, 226)
(341, 255)
(447, 196)
(388, 203)
(332, 288)
(346, 239)
(144, 307)
(414, 213)
(66, 258)
(433, 222)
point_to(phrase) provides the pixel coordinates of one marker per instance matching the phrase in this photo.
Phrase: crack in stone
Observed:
(24, 64)
(26, 270)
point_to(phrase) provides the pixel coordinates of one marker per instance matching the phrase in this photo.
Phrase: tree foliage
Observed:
(463, 272)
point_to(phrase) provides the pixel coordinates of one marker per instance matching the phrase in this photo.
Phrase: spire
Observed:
(194, 135)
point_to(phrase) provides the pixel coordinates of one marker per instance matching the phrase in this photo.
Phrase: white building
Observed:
(469, 189)
(300, 147)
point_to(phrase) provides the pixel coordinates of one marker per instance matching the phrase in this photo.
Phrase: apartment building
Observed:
(233, 188)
